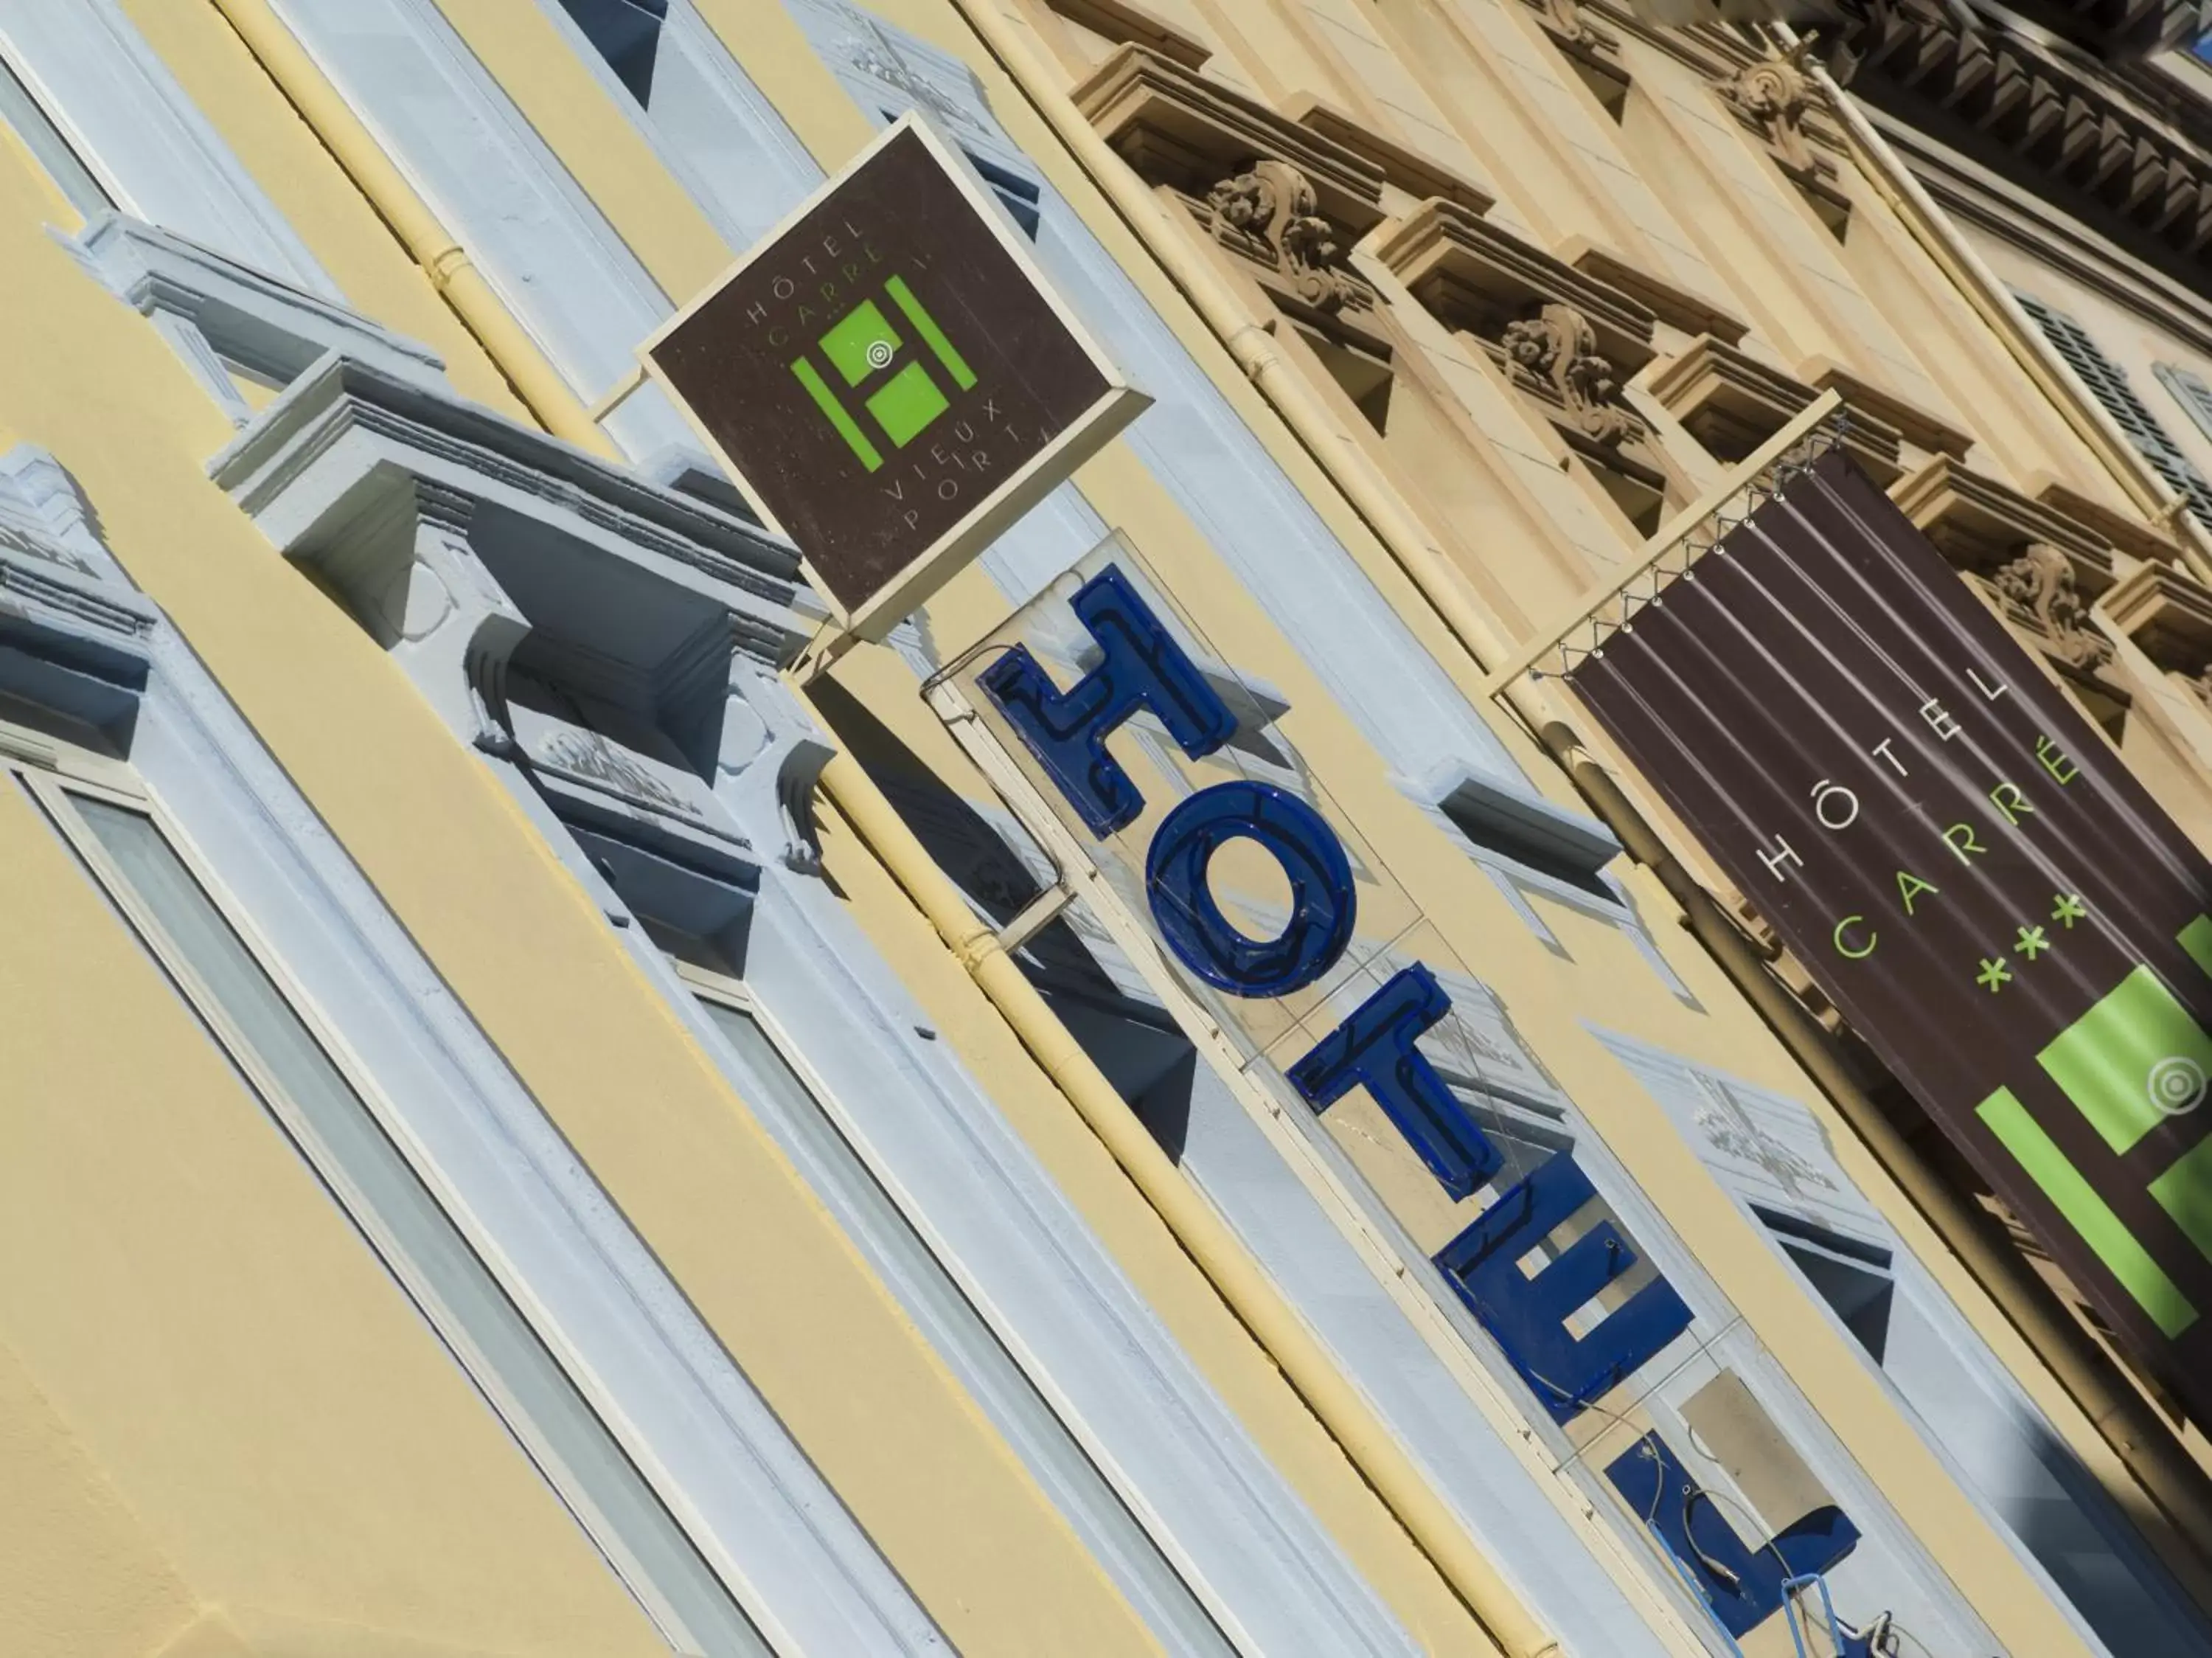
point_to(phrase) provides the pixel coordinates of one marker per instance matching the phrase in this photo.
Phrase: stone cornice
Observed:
(1177, 129)
(2168, 614)
(1471, 274)
(1414, 173)
(1913, 423)
(2116, 31)
(475, 452)
(2125, 531)
(1676, 306)
(1731, 403)
(1126, 23)
(1981, 525)
(2050, 119)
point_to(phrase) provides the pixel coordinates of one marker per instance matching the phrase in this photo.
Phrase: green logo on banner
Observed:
(865, 349)
(2133, 1060)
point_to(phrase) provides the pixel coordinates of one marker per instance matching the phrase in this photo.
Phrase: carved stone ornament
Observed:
(2201, 685)
(2040, 585)
(1559, 347)
(1274, 203)
(1775, 93)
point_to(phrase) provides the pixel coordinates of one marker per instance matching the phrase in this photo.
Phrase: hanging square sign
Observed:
(890, 377)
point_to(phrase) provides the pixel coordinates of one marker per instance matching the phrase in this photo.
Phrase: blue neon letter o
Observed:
(1312, 860)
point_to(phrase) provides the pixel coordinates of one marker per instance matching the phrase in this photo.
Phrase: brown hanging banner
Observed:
(1964, 866)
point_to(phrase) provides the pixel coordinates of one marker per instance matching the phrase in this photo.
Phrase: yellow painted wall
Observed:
(213, 1390)
(534, 961)
(110, 1458)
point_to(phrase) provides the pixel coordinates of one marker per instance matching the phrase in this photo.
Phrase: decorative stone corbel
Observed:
(1558, 346)
(2038, 586)
(456, 630)
(1773, 94)
(1273, 203)
(771, 755)
(616, 641)
(1774, 97)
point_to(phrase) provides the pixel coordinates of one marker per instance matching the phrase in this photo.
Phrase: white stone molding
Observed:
(74, 637)
(770, 1527)
(541, 242)
(222, 316)
(134, 128)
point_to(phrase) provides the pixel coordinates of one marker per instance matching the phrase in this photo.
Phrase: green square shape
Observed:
(2133, 1060)
(860, 330)
(2184, 1191)
(909, 403)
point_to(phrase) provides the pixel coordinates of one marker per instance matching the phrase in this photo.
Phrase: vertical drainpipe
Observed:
(1216, 1252)
(443, 259)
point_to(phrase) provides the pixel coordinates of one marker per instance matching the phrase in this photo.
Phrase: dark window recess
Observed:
(2109, 383)
(1853, 1278)
(1570, 850)
(1021, 197)
(627, 33)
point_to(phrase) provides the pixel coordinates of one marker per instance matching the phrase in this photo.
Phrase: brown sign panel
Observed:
(888, 377)
(1963, 865)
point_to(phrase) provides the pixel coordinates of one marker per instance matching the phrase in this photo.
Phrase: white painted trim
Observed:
(754, 1505)
(961, 1336)
(544, 246)
(134, 128)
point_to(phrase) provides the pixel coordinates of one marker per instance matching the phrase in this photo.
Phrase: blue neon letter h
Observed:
(1143, 667)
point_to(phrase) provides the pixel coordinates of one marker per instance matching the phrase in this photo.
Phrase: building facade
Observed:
(555, 1107)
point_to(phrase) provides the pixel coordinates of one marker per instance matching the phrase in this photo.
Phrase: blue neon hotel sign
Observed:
(1141, 667)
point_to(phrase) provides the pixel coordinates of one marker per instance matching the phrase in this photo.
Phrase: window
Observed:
(788, 1106)
(2189, 391)
(328, 1117)
(1021, 197)
(23, 113)
(2108, 382)
(1853, 1278)
(627, 33)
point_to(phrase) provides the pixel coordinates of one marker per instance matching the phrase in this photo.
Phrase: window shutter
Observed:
(2108, 382)
(2189, 391)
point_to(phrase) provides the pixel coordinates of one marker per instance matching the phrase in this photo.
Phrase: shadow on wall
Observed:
(1150, 1063)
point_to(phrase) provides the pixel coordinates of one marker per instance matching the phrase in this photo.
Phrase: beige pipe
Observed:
(1247, 1291)
(443, 259)
(1892, 180)
(2159, 1464)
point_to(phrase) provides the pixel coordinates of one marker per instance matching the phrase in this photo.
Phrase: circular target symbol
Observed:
(2176, 1085)
(879, 354)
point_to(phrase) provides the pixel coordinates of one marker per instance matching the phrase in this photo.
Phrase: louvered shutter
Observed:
(2189, 391)
(2108, 382)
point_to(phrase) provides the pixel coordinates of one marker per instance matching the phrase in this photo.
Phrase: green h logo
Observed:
(2133, 1060)
(863, 346)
